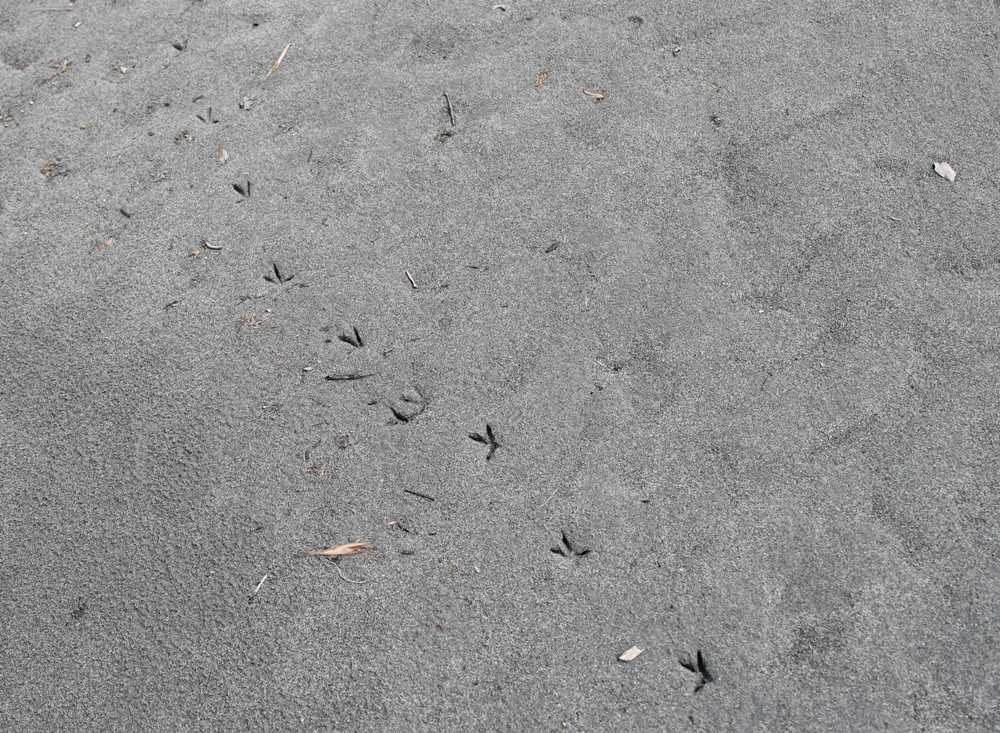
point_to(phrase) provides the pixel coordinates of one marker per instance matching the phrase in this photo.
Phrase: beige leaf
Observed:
(945, 171)
(595, 95)
(631, 654)
(353, 548)
(223, 155)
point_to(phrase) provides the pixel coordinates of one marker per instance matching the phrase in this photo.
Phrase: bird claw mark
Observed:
(278, 278)
(570, 551)
(699, 668)
(420, 405)
(488, 440)
(354, 339)
(80, 610)
(209, 119)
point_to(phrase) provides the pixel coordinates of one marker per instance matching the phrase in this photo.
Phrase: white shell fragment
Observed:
(631, 654)
(945, 171)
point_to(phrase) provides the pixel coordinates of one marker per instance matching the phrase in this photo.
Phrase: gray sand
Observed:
(767, 409)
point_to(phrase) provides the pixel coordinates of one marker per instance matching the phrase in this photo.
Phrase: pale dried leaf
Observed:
(945, 171)
(595, 95)
(631, 654)
(352, 548)
(223, 155)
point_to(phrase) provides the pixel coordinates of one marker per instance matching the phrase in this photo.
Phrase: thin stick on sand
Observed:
(451, 110)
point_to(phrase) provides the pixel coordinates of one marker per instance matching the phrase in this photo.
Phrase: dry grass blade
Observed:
(596, 95)
(352, 548)
(276, 64)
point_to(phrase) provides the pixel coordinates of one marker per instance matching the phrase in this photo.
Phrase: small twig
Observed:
(451, 110)
(418, 493)
(549, 499)
(276, 64)
(412, 281)
(347, 377)
(344, 577)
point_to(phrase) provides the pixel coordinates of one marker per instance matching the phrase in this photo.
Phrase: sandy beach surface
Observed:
(600, 324)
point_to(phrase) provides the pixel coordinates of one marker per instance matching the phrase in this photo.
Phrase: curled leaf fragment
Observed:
(630, 654)
(945, 171)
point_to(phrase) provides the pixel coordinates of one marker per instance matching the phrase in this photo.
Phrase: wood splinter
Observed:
(451, 109)
(419, 493)
(346, 377)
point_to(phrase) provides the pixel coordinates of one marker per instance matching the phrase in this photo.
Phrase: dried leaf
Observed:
(353, 548)
(595, 95)
(542, 78)
(678, 48)
(223, 155)
(276, 64)
(945, 171)
(631, 654)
